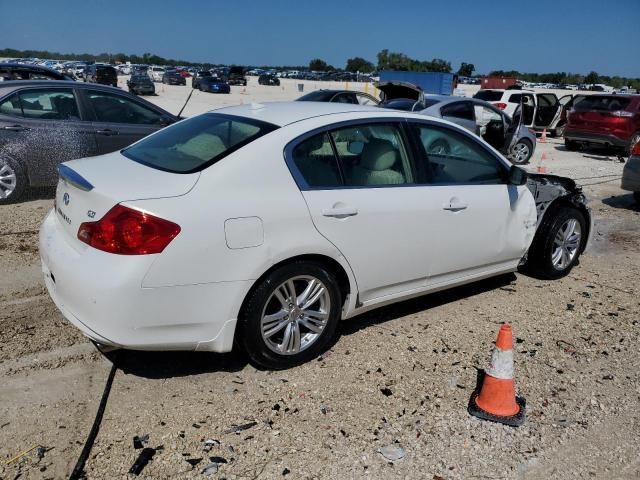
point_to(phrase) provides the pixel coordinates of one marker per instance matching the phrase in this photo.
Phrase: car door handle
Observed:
(106, 131)
(15, 128)
(454, 205)
(340, 212)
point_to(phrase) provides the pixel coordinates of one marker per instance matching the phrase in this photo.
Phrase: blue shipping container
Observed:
(430, 82)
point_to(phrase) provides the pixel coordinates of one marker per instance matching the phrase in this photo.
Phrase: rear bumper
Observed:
(102, 295)
(631, 175)
(600, 138)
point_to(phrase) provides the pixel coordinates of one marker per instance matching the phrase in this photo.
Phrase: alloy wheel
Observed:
(295, 315)
(520, 152)
(566, 244)
(7, 179)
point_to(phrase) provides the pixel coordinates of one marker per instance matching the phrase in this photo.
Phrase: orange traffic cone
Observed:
(543, 137)
(496, 399)
(542, 168)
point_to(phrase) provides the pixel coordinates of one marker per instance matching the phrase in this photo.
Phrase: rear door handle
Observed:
(340, 212)
(15, 128)
(106, 131)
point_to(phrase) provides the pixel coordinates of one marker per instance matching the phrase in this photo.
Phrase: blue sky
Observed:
(534, 36)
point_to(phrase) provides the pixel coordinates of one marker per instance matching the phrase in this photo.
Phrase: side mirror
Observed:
(517, 176)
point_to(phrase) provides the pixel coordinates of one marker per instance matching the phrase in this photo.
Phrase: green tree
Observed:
(318, 65)
(359, 64)
(466, 69)
(592, 78)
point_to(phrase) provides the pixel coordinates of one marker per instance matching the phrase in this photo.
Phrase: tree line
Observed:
(385, 60)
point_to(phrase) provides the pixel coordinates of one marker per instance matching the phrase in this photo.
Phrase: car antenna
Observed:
(185, 103)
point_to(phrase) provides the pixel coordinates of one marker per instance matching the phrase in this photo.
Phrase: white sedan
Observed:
(266, 224)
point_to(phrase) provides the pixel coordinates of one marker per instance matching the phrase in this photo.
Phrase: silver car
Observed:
(631, 173)
(506, 134)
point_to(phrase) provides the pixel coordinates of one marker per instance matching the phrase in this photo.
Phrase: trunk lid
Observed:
(88, 188)
(395, 90)
(599, 113)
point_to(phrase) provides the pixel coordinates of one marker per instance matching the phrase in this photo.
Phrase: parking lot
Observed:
(398, 376)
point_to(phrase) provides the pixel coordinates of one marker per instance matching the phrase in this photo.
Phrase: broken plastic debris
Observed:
(240, 428)
(193, 461)
(209, 444)
(139, 441)
(210, 469)
(392, 453)
(143, 459)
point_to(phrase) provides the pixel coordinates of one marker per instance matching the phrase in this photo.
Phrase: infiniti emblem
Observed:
(65, 198)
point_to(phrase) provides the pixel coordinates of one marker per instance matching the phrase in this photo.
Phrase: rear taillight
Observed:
(635, 149)
(500, 105)
(126, 231)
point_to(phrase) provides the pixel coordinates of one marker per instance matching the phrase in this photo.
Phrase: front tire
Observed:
(291, 316)
(558, 243)
(571, 145)
(13, 181)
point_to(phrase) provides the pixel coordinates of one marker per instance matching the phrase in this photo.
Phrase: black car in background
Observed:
(141, 85)
(266, 79)
(21, 71)
(197, 76)
(236, 76)
(44, 123)
(339, 96)
(173, 77)
(103, 74)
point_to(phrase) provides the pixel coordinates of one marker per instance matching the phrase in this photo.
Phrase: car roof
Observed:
(284, 113)
(16, 84)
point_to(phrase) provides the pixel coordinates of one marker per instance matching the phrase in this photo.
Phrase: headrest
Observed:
(378, 155)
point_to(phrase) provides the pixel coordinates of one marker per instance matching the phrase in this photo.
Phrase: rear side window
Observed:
(194, 144)
(316, 162)
(462, 110)
(603, 103)
(488, 95)
(59, 104)
(515, 98)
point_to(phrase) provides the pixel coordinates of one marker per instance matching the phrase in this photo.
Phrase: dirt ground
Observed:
(399, 376)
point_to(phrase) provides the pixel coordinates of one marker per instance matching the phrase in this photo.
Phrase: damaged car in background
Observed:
(264, 225)
(505, 133)
(44, 123)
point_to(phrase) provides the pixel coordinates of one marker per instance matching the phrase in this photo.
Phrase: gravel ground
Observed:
(400, 376)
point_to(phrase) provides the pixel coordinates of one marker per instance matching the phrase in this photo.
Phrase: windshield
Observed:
(603, 103)
(488, 95)
(194, 144)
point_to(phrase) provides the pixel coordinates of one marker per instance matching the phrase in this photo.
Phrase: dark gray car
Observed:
(44, 123)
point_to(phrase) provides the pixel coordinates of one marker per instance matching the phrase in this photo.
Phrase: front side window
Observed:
(113, 108)
(58, 104)
(450, 157)
(316, 162)
(196, 143)
(11, 106)
(372, 155)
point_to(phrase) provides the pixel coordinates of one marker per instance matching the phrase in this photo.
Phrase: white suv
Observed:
(156, 73)
(541, 110)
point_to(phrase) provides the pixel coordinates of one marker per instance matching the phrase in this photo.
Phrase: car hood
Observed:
(392, 90)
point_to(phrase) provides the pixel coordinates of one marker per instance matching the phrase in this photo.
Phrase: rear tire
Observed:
(278, 331)
(558, 243)
(13, 181)
(521, 152)
(636, 195)
(571, 145)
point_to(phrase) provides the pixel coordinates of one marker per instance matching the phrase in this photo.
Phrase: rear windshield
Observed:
(603, 103)
(194, 144)
(488, 95)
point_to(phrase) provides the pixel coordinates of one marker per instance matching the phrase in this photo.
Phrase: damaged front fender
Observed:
(551, 192)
